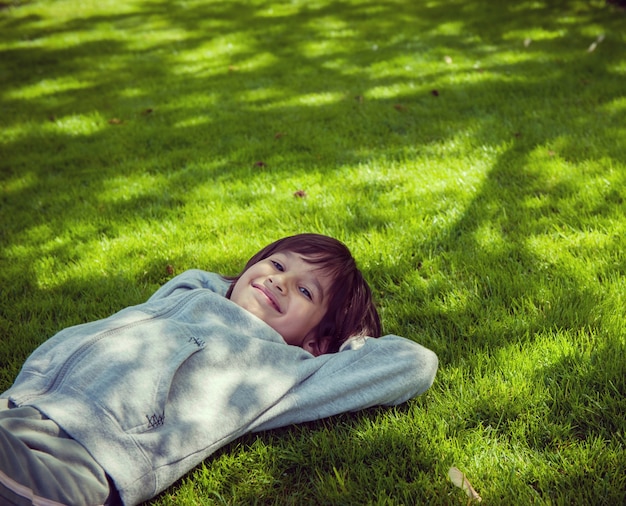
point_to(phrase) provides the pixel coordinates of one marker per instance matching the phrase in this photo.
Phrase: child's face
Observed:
(287, 293)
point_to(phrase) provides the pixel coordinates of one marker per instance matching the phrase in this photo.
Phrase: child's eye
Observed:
(306, 293)
(277, 265)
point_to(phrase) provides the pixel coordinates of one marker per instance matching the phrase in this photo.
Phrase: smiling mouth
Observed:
(268, 295)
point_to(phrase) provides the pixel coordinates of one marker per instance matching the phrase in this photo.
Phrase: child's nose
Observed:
(280, 281)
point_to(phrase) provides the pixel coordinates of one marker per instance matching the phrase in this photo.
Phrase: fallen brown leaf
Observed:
(460, 480)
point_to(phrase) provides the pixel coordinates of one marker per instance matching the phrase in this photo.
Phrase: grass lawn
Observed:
(472, 154)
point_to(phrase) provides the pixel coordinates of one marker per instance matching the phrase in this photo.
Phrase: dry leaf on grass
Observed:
(461, 481)
(594, 44)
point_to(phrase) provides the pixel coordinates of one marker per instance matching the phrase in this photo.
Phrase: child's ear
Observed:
(317, 346)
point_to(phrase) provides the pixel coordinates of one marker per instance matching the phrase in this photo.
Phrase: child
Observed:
(120, 408)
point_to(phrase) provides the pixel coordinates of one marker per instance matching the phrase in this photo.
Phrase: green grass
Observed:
(472, 154)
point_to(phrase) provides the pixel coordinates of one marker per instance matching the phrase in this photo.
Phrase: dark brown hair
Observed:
(351, 310)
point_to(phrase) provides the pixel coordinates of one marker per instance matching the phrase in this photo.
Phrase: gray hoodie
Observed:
(153, 390)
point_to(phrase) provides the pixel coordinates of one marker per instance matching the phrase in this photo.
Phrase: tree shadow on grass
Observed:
(516, 208)
(397, 28)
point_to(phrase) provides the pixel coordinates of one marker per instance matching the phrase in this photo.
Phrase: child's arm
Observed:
(368, 372)
(192, 280)
(385, 371)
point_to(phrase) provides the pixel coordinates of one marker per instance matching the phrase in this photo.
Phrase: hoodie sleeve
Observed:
(367, 372)
(192, 279)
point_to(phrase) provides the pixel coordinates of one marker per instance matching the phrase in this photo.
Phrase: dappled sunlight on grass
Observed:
(490, 239)
(80, 125)
(471, 154)
(19, 183)
(313, 99)
(47, 87)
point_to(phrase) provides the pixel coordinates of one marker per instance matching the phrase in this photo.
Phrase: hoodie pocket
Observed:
(144, 407)
(128, 372)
